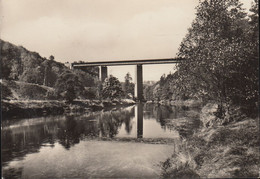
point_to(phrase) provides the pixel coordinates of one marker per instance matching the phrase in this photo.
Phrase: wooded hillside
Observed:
(21, 65)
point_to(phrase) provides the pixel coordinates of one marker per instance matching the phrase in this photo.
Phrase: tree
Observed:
(85, 78)
(216, 53)
(157, 92)
(51, 58)
(148, 92)
(128, 86)
(69, 86)
(111, 88)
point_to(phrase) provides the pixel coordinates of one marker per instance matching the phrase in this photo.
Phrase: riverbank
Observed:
(229, 151)
(36, 108)
(218, 150)
(188, 103)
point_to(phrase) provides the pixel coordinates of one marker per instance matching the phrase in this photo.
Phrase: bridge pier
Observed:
(139, 82)
(102, 73)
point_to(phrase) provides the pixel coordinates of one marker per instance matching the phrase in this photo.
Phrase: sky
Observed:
(101, 30)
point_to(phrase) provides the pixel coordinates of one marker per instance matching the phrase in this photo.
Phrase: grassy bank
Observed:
(227, 151)
(217, 151)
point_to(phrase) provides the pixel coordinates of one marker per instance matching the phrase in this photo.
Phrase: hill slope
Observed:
(30, 76)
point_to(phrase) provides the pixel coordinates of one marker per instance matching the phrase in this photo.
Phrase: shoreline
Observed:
(18, 109)
(207, 150)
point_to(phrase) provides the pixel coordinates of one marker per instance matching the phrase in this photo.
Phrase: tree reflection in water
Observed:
(105, 124)
(26, 136)
(110, 122)
(159, 112)
(164, 113)
(69, 130)
(69, 133)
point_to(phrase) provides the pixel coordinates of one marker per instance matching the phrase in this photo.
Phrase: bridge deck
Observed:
(129, 62)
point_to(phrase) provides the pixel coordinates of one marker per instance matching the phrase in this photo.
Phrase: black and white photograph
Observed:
(136, 89)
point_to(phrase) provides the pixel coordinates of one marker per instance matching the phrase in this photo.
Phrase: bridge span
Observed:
(139, 69)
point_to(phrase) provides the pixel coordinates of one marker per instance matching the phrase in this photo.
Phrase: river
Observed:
(124, 143)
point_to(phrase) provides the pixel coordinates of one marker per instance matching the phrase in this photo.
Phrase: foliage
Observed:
(93, 71)
(69, 86)
(90, 92)
(157, 92)
(220, 57)
(86, 79)
(128, 86)
(148, 92)
(162, 90)
(111, 88)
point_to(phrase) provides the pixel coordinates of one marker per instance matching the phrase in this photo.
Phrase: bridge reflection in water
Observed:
(139, 115)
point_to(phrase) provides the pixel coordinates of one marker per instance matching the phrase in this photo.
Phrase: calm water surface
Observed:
(94, 144)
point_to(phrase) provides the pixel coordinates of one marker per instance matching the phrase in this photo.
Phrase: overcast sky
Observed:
(95, 30)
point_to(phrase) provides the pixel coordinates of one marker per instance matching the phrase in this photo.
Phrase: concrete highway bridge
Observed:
(139, 69)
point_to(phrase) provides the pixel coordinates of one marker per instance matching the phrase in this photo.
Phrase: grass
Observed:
(219, 151)
(230, 151)
(183, 171)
